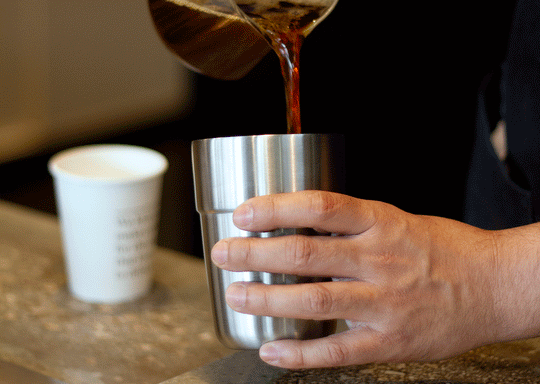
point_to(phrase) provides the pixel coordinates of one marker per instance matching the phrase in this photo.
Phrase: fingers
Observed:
(351, 300)
(294, 255)
(321, 301)
(324, 211)
(355, 346)
(340, 256)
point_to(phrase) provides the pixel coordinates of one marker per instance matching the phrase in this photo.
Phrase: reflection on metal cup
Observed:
(230, 170)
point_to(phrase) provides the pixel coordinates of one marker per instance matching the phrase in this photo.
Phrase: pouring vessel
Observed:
(211, 37)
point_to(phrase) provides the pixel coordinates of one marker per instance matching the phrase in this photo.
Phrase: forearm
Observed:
(517, 282)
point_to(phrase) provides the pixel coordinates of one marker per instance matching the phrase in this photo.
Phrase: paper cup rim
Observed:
(63, 164)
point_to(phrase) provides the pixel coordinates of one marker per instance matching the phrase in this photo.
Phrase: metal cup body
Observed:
(230, 170)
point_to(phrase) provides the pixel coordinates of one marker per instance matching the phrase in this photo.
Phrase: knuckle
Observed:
(397, 342)
(266, 301)
(398, 337)
(409, 347)
(300, 250)
(336, 354)
(270, 207)
(318, 300)
(240, 252)
(323, 205)
(297, 359)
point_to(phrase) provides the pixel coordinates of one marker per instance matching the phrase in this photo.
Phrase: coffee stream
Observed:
(207, 37)
(285, 24)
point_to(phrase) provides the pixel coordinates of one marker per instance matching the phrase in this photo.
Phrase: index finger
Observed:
(320, 210)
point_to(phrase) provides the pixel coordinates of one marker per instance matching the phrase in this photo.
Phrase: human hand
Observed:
(410, 287)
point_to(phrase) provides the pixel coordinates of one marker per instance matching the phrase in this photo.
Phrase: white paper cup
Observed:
(108, 199)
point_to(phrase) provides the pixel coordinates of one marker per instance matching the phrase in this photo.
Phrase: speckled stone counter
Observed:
(165, 336)
(508, 363)
(43, 328)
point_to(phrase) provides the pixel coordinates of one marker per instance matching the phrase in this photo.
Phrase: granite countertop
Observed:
(508, 363)
(145, 342)
(168, 335)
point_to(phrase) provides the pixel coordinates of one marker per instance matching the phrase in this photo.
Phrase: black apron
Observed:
(507, 194)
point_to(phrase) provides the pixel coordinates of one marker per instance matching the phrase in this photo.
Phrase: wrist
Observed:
(516, 282)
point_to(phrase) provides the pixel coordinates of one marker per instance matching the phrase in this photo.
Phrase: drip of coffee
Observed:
(209, 38)
(226, 38)
(285, 24)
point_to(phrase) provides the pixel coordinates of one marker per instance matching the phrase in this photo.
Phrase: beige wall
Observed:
(72, 69)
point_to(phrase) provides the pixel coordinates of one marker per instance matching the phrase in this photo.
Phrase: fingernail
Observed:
(270, 353)
(236, 295)
(243, 215)
(220, 252)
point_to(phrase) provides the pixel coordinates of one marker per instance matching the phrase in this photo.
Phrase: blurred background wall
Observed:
(79, 72)
(72, 70)
(398, 79)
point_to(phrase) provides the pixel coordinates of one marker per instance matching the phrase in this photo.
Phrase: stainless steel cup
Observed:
(228, 171)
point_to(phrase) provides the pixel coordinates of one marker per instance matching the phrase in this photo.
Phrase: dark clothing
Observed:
(507, 194)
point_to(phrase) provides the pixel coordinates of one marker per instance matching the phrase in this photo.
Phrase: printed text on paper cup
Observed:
(135, 239)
